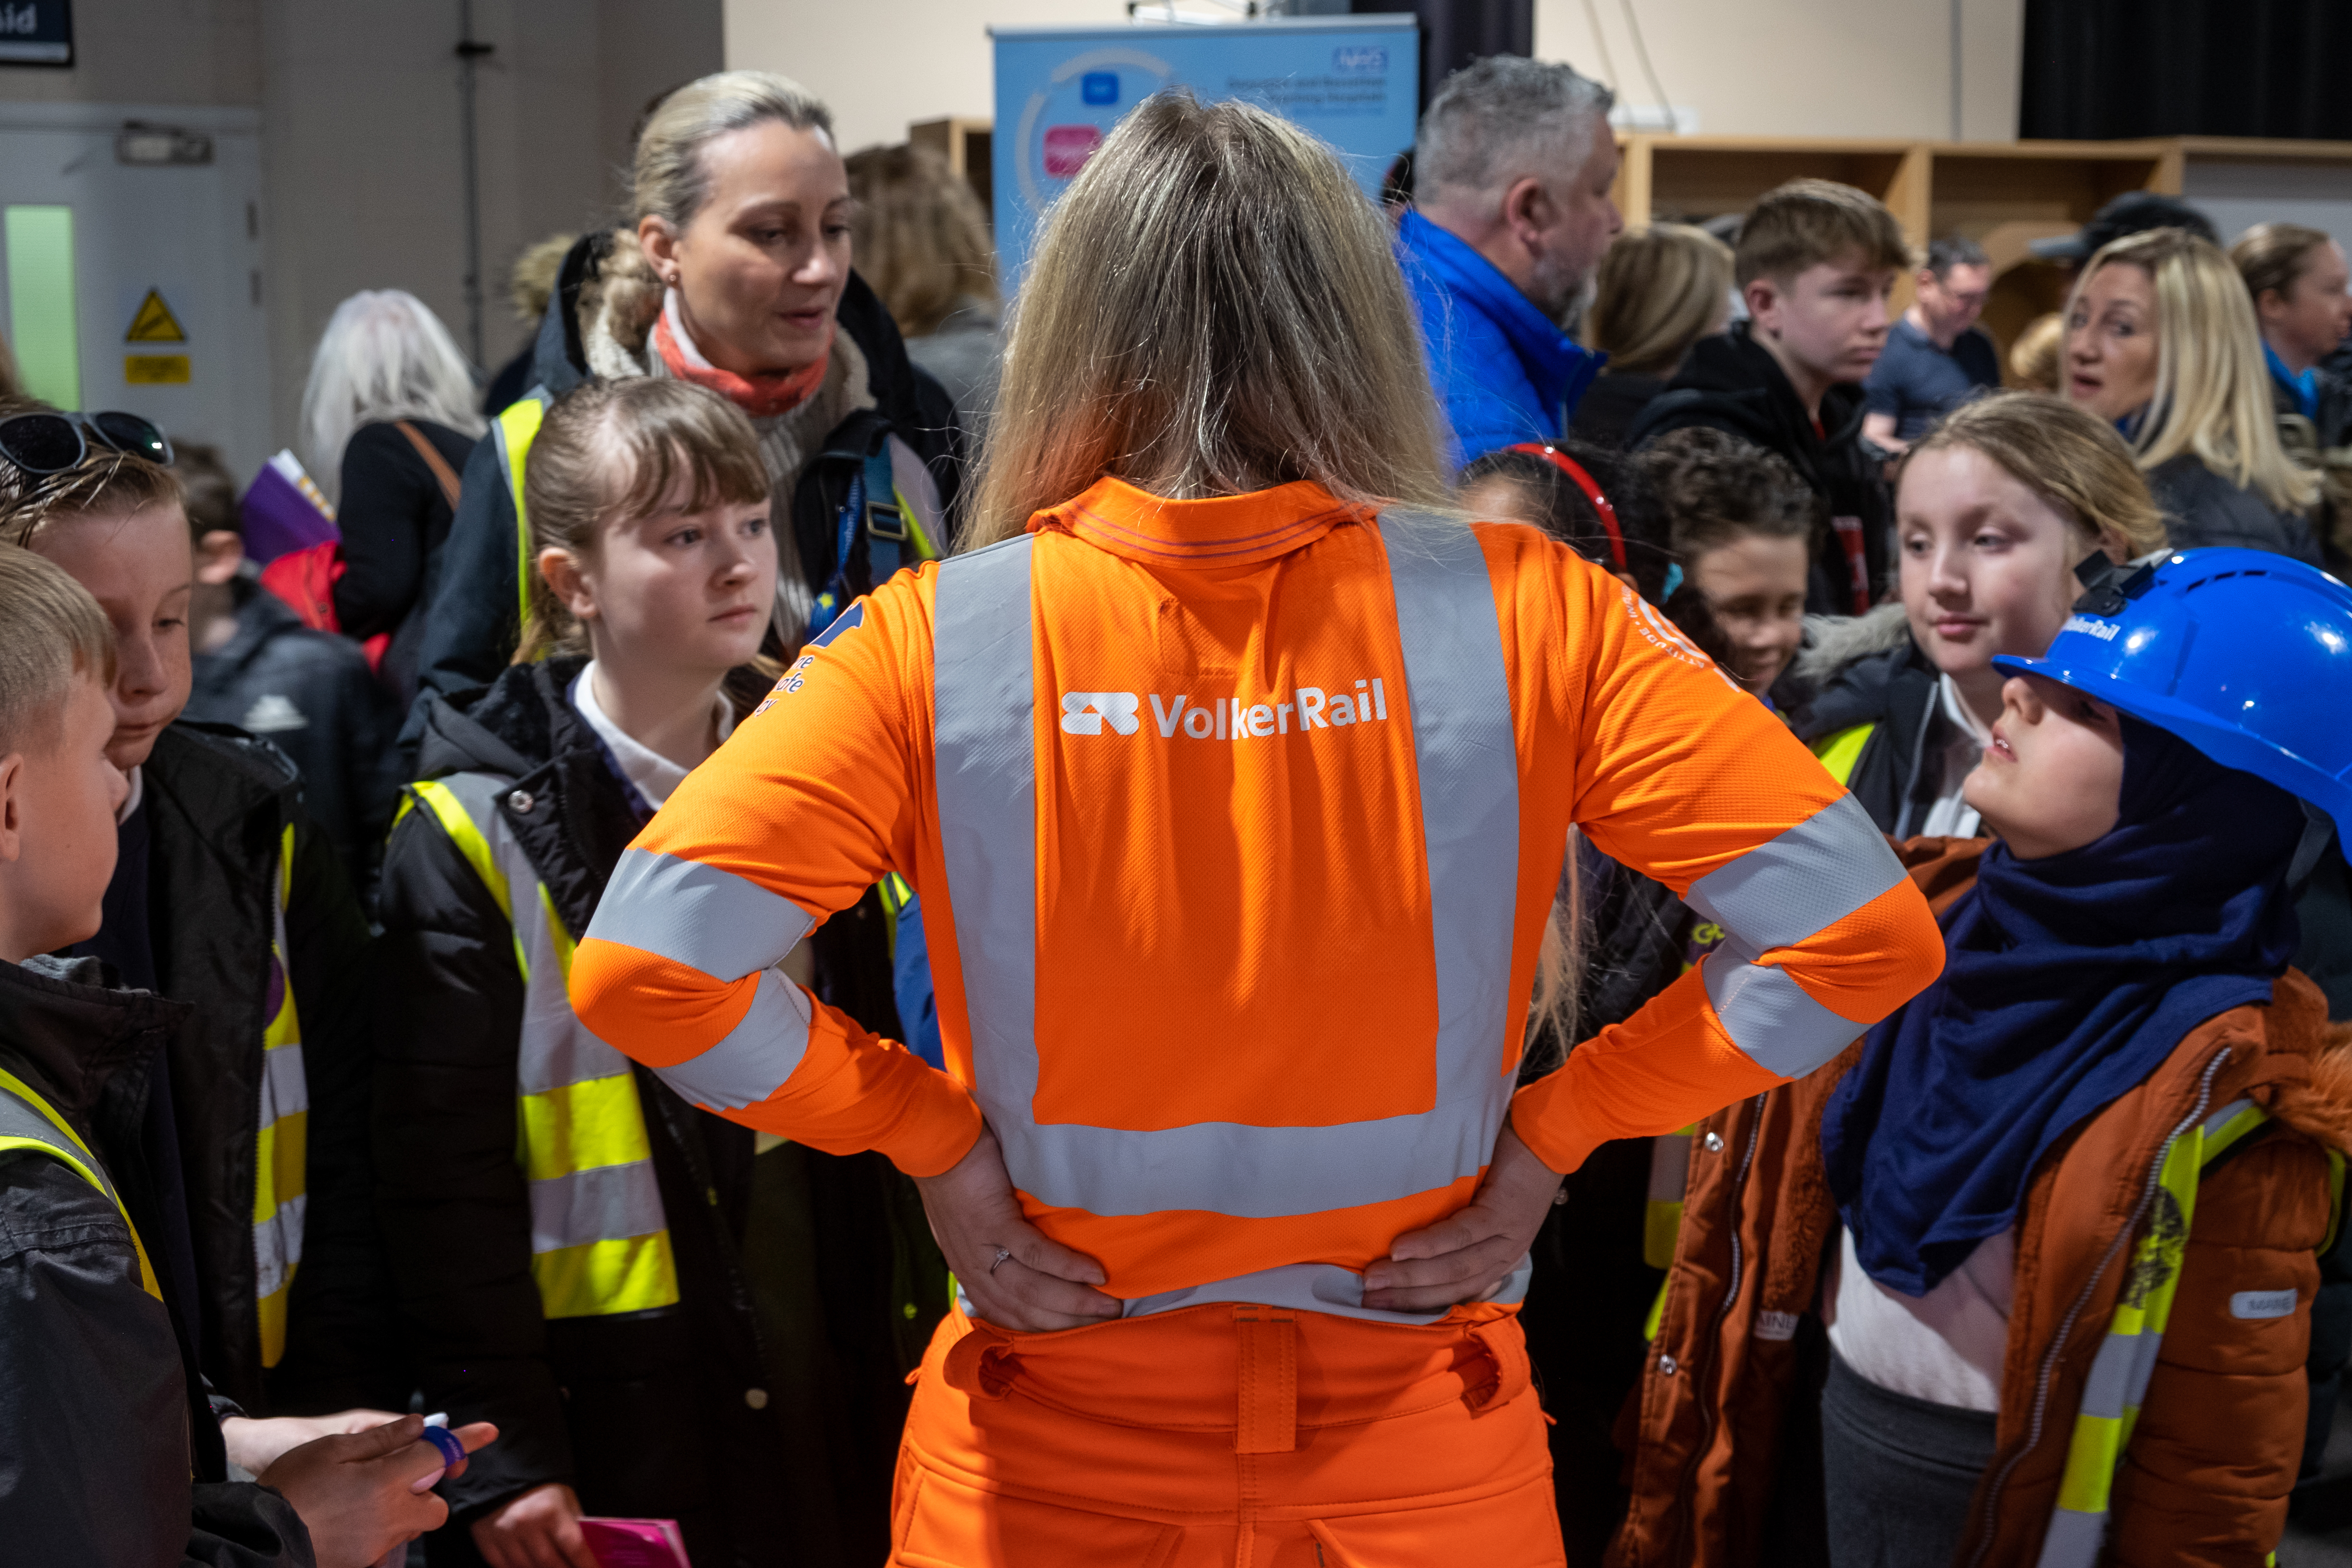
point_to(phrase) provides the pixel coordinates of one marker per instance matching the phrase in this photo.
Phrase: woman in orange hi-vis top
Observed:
(1237, 794)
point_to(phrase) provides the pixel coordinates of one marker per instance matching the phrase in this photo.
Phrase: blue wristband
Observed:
(453, 1452)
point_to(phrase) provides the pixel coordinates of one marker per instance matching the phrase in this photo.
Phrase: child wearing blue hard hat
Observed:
(2043, 1246)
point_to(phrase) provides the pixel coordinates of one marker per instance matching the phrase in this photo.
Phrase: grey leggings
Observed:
(1899, 1472)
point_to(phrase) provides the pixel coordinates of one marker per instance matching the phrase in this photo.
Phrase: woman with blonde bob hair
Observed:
(1657, 292)
(2161, 340)
(1238, 788)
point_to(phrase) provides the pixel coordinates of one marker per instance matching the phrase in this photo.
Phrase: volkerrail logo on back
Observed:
(1224, 718)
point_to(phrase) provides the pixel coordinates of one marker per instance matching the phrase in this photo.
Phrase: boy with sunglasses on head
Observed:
(114, 1453)
(225, 895)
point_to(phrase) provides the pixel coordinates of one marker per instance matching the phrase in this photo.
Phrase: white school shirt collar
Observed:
(655, 775)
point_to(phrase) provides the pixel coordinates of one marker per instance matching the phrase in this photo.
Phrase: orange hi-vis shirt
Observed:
(1236, 825)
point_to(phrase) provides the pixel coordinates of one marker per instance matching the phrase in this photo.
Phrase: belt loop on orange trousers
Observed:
(1269, 1381)
(1507, 1347)
(981, 1364)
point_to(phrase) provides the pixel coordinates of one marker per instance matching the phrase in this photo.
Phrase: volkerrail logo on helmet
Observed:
(1225, 717)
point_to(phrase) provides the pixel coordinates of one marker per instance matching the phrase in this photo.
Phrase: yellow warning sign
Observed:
(154, 323)
(154, 370)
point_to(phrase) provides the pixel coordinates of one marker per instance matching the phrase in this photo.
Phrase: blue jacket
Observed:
(1503, 370)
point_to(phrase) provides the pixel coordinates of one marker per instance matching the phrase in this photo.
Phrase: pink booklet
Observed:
(635, 1542)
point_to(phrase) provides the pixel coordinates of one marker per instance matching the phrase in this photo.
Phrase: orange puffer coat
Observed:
(1725, 1466)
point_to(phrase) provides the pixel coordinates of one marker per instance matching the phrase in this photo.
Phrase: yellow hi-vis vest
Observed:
(599, 1237)
(516, 428)
(2126, 1357)
(281, 1143)
(28, 1121)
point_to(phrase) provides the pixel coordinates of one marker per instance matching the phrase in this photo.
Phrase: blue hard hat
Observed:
(2245, 655)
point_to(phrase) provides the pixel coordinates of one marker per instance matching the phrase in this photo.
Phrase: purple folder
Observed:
(283, 512)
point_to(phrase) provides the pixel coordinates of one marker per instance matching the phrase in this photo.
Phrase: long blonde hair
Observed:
(2212, 399)
(1211, 308)
(1657, 293)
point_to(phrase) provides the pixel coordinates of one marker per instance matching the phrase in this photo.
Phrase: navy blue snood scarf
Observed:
(2068, 980)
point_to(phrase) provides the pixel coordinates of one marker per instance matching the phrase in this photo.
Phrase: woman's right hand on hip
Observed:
(1013, 1274)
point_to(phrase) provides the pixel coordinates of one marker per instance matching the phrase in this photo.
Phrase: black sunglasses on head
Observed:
(43, 443)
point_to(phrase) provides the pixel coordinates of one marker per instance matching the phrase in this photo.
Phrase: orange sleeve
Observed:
(810, 802)
(1686, 778)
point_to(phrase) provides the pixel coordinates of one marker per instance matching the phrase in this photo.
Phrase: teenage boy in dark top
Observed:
(1937, 356)
(114, 1450)
(1815, 263)
(309, 693)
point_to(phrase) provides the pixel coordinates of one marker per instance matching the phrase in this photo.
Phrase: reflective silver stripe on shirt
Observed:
(1313, 1288)
(1777, 895)
(1767, 1015)
(752, 1060)
(1804, 881)
(697, 915)
(726, 927)
(1467, 767)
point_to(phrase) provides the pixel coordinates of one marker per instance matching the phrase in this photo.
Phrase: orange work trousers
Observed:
(1249, 1436)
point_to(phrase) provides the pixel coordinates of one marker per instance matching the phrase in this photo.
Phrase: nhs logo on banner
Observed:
(1354, 81)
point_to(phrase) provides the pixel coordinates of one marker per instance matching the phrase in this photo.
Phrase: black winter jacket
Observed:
(2204, 511)
(312, 695)
(109, 1453)
(1729, 382)
(396, 518)
(2324, 442)
(218, 804)
(763, 1410)
(1898, 692)
(473, 630)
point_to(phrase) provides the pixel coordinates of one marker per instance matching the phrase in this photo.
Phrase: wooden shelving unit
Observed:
(2003, 194)
(967, 145)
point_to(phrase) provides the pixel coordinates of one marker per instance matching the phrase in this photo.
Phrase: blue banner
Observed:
(1352, 80)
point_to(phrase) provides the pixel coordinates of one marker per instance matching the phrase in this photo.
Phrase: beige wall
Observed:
(1783, 67)
(937, 62)
(1804, 68)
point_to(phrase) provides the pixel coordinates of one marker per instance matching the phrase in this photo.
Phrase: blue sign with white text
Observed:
(1354, 81)
(36, 32)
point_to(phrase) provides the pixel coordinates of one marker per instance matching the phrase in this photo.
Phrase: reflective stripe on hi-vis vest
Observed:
(1466, 757)
(281, 1146)
(27, 1123)
(598, 1238)
(2127, 1358)
(517, 427)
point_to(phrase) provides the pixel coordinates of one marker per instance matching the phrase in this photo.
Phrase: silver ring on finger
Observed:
(1002, 1254)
